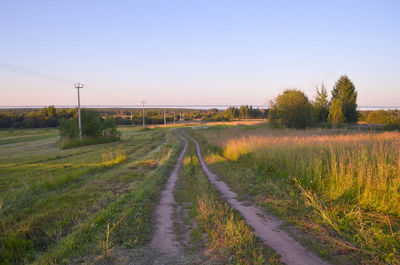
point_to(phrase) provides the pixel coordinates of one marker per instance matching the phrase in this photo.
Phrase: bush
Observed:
(69, 128)
(109, 128)
(291, 109)
(389, 121)
(91, 123)
(93, 129)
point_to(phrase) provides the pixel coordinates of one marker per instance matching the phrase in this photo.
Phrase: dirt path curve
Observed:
(164, 238)
(266, 227)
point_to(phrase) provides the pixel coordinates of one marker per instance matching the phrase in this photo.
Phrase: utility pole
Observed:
(174, 118)
(143, 102)
(79, 86)
(165, 119)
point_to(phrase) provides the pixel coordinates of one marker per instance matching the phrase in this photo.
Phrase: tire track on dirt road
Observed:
(164, 239)
(266, 227)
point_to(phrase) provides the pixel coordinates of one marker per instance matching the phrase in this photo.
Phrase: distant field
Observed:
(213, 123)
(341, 188)
(55, 204)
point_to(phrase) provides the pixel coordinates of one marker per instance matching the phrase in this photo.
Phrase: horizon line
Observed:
(166, 106)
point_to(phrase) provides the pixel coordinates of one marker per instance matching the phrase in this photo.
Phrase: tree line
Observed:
(41, 118)
(52, 117)
(293, 109)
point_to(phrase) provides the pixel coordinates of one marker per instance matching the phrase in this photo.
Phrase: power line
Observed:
(111, 96)
(47, 77)
(30, 73)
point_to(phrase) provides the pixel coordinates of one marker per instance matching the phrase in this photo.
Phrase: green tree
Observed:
(291, 109)
(345, 91)
(336, 115)
(321, 105)
(244, 112)
(69, 128)
(91, 123)
(231, 113)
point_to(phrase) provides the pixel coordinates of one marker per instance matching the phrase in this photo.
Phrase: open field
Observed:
(340, 188)
(56, 203)
(337, 192)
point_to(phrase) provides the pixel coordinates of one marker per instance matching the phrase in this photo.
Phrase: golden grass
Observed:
(228, 237)
(351, 181)
(364, 167)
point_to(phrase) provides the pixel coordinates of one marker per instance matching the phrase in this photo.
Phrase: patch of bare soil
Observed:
(266, 227)
(164, 238)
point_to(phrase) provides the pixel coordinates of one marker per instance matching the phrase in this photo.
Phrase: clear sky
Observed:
(198, 52)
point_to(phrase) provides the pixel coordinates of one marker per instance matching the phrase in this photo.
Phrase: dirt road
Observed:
(164, 239)
(266, 227)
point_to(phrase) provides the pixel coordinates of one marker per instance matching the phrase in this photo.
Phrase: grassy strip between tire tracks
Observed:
(229, 239)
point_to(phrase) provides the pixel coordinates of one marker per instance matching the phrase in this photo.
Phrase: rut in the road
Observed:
(164, 238)
(266, 227)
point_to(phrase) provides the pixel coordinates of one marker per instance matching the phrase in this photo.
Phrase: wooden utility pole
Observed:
(143, 102)
(174, 119)
(165, 119)
(79, 86)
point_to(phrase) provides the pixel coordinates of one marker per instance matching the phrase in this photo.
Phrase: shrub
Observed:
(389, 121)
(109, 128)
(94, 129)
(291, 109)
(69, 128)
(91, 123)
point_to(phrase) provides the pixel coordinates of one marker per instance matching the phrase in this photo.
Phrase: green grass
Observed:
(228, 238)
(20, 136)
(70, 143)
(341, 189)
(55, 203)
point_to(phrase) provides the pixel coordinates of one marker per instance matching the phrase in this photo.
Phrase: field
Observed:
(340, 188)
(57, 203)
(337, 192)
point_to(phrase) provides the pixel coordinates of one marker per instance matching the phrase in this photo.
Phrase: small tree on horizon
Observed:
(291, 109)
(321, 105)
(336, 115)
(345, 91)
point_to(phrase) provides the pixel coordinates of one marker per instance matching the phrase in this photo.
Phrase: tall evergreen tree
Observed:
(345, 91)
(321, 105)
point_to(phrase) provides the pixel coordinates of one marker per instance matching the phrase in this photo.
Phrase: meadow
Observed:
(209, 224)
(56, 203)
(341, 188)
(338, 192)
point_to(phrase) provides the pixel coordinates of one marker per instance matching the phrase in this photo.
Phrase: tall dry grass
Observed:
(362, 168)
(351, 181)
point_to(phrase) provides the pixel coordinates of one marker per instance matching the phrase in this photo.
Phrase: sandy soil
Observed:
(164, 238)
(266, 227)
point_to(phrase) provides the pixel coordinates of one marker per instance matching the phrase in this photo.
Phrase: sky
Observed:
(197, 52)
